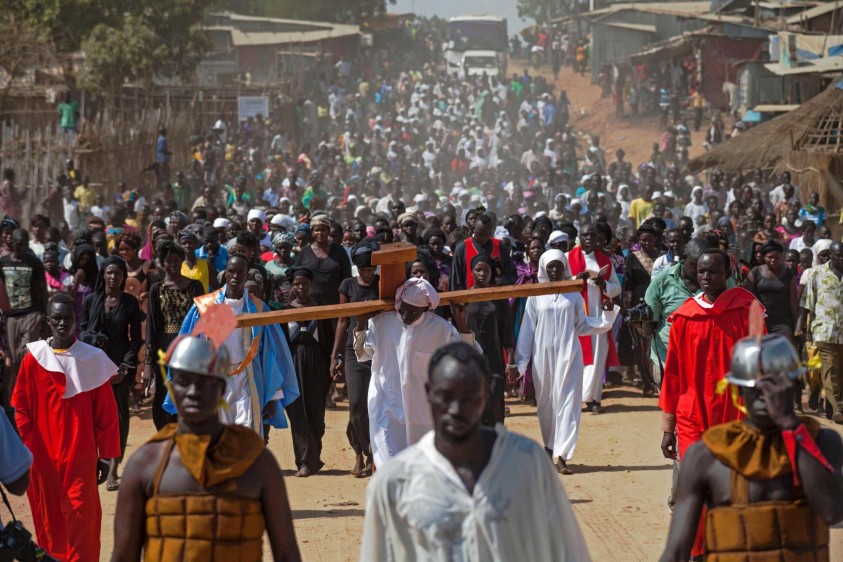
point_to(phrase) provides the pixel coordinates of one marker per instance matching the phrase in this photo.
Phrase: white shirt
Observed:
(418, 509)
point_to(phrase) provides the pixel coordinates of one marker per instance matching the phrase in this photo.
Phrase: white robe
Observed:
(399, 413)
(548, 336)
(592, 389)
(418, 509)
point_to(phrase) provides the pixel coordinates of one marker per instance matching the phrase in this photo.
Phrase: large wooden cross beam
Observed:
(392, 259)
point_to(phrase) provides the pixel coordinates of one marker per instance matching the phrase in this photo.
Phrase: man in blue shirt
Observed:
(162, 158)
(15, 459)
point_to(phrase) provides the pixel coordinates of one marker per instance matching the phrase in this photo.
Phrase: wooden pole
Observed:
(381, 305)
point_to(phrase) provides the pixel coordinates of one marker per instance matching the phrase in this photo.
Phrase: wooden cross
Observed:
(392, 259)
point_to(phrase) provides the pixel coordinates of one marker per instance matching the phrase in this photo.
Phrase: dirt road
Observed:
(619, 487)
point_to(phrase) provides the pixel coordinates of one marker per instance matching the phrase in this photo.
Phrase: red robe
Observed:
(66, 437)
(699, 354)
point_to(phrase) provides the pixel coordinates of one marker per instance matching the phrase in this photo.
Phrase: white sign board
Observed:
(251, 106)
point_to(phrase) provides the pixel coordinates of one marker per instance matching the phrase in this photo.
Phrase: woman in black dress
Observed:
(169, 302)
(310, 346)
(328, 262)
(111, 320)
(364, 287)
(491, 323)
(773, 283)
(638, 270)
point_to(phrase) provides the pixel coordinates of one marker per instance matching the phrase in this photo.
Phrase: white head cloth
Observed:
(820, 246)
(256, 214)
(547, 257)
(417, 292)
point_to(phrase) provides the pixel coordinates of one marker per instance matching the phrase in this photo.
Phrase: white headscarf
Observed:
(417, 292)
(547, 257)
(819, 246)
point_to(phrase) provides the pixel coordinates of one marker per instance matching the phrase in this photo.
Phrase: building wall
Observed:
(719, 55)
(609, 44)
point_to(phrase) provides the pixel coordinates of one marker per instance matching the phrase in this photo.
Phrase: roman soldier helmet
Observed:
(198, 355)
(754, 357)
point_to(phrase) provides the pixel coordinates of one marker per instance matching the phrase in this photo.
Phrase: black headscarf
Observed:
(111, 260)
(361, 253)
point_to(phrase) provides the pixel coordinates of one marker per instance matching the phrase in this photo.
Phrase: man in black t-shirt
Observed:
(26, 285)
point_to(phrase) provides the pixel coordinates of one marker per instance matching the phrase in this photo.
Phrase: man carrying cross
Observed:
(400, 344)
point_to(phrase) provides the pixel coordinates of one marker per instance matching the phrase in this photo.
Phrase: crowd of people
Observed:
(492, 184)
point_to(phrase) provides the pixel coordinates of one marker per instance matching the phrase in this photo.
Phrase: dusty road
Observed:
(619, 486)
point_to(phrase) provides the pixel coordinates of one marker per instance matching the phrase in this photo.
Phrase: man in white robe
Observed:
(399, 344)
(466, 492)
(581, 262)
(549, 331)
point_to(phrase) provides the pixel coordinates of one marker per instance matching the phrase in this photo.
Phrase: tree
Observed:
(160, 39)
(24, 47)
(542, 10)
(354, 11)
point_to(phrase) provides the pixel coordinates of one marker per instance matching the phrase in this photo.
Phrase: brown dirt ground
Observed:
(595, 115)
(619, 487)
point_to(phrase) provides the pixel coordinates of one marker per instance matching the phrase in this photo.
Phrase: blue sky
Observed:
(450, 8)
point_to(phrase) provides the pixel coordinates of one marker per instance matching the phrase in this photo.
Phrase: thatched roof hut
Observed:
(807, 142)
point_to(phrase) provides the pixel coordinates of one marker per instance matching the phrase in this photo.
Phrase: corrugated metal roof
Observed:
(300, 23)
(631, 26)
(816, 66)
(668, 8)
(251, 39)
(811, 13)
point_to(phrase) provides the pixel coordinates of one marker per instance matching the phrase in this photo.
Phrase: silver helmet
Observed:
(198, 355)
(754, 357)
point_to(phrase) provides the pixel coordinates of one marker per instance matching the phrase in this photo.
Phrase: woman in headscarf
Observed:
(624, 199)
(278, 267)
(491, 324)
(83, 277)
(362, 288)
(169, 302)
(111, 320)
(148, 250)
(549, 338)
(310, 346)
(527, 272)
(193, 267)
(435, 240)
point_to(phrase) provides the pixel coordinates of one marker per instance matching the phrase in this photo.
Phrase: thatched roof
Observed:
(816, 126)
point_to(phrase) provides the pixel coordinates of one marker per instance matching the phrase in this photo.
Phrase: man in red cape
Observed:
(699, 353)
(598, 352)
(67, 417)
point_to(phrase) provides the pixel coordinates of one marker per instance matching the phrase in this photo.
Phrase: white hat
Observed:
(420, 197)
(285, 200)
(221, 223)
(557, 236)
(463, 193)
(359, 209)
(256, 214)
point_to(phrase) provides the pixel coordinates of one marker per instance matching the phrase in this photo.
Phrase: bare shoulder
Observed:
(143, 463)
(266, 466)
(698, 459)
